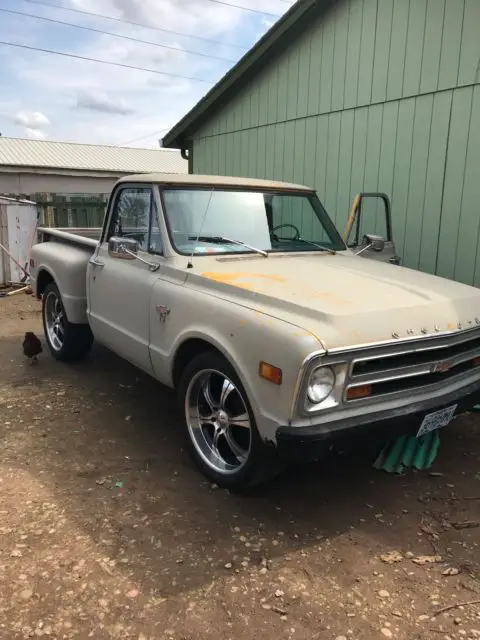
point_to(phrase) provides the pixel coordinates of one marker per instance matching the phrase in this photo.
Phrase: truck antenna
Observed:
(190, 260)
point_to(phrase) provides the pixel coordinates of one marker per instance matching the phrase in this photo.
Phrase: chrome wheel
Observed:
(54, 321)
(218, 421)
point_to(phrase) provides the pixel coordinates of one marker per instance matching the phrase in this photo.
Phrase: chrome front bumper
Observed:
(377, 424)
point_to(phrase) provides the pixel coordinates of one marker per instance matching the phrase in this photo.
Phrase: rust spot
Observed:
(329, 296)
(302, 333)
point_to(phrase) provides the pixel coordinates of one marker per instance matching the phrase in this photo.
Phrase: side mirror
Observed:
(127, 249)
(377, 243)
(123, 248)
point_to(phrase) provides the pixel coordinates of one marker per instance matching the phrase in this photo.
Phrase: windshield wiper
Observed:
(319, 246)
(223, 240)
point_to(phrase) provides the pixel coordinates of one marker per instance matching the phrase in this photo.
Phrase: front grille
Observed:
(402, 368)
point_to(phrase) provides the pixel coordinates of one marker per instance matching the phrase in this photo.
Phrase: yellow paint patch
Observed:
(232, 278)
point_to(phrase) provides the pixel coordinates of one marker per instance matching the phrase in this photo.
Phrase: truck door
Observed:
(122, 273)
(369, 228)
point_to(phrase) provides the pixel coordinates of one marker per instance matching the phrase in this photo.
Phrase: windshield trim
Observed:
(310, 195)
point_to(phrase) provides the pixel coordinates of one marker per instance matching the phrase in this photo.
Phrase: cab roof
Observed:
(190, 180)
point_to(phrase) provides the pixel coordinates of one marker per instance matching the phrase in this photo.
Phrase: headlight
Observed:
(320, 384)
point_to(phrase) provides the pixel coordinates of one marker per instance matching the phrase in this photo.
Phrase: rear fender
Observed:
(66, 265)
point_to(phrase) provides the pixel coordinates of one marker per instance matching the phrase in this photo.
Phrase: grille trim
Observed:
(429, 363)
(448, 334)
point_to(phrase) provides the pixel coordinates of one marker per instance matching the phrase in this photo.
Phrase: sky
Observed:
(45, 96)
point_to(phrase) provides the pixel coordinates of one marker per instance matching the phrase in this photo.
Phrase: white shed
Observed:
(18, 221)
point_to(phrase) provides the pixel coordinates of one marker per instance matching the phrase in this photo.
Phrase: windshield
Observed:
(202, 221)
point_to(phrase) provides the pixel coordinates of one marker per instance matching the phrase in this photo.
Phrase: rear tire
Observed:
(221, 429)
(67, 342)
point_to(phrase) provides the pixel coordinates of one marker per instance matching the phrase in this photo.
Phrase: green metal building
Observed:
(361, 95)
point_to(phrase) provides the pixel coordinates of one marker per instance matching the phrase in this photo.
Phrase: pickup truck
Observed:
(280, 340)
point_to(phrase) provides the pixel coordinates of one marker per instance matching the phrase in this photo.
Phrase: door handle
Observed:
(96, 262)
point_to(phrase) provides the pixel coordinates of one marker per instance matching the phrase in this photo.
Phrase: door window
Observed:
(135, 216)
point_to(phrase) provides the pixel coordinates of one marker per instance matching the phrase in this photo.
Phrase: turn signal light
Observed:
(269, 372)
(359, 392)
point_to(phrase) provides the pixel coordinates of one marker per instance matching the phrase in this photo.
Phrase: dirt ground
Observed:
(108, 531)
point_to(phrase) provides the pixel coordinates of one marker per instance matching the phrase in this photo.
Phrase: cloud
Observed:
(35, 134)
(146, 102)
(96, 101)
(33, 120)
(265, 25)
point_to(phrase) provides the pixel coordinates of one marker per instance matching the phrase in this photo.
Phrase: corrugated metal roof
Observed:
(20, 152)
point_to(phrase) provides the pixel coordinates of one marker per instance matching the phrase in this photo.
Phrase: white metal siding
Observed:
(17, 228)
(20, 183)
(3, 240)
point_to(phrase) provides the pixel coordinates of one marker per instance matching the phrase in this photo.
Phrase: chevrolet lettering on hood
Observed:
(459, 326)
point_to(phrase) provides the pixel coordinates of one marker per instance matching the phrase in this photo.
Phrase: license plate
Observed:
(436, 420)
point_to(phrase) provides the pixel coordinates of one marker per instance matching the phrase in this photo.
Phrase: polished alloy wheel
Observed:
(54, 321)
(218, 421)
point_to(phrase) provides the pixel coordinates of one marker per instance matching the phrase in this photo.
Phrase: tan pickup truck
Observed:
(279, 339)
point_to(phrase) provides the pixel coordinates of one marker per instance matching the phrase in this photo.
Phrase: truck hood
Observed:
(343, 300)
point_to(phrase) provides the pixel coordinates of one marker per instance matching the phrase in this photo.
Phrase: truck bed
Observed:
(61, 256)
(87, 237)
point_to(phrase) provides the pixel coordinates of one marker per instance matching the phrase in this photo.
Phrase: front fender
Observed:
(245, 337)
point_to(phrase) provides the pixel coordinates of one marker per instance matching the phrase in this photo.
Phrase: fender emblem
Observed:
(163, 312)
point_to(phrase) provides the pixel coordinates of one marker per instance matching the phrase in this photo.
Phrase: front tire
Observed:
(67, 342)
(221, 428)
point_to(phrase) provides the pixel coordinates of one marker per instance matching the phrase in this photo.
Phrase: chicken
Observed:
(32, 346)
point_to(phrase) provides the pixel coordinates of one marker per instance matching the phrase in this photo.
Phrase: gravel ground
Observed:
(108, 531)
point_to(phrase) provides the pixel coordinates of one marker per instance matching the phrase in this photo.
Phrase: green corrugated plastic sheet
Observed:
(408, 452)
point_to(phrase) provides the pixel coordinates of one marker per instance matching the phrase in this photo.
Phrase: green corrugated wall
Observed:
(380, 95)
